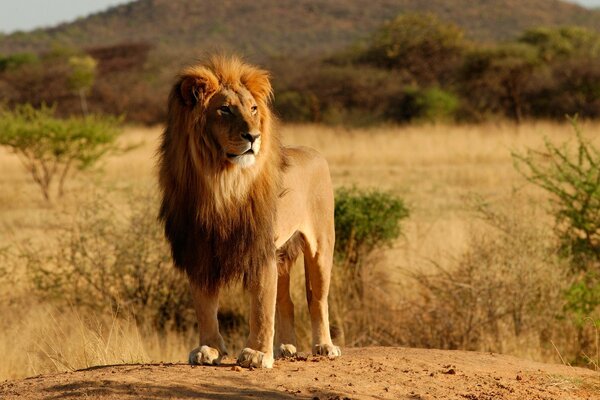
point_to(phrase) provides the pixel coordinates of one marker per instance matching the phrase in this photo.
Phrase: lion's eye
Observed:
(254, 109)
(225, 109)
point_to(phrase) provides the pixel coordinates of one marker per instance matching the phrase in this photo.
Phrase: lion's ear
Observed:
(196, 89)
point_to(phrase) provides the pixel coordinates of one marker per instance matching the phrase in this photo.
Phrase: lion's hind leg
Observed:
(285, 330)
(317, 265)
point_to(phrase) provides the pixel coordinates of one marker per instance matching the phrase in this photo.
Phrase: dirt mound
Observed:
(381, 373)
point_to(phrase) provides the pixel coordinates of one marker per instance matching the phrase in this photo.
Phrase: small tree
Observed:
(82, 77)
(50, 148)
(571, 175)
(564, 42)
(496, 79)
(422, 45)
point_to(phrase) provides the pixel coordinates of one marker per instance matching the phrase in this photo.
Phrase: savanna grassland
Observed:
(475, 223)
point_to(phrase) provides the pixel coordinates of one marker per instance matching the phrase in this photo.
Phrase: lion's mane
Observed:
(219, 218)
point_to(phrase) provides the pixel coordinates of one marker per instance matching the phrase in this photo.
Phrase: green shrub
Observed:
(570, 174)
(50, 147)
(572, 178)
(365, 220)
(430, 105)
(15, 61)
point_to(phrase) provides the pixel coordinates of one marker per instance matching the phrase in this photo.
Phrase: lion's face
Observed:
(233, 119)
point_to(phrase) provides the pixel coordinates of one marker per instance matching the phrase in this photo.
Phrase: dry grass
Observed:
(436, 169)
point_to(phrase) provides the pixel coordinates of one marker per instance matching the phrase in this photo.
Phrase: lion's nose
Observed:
(250, 137)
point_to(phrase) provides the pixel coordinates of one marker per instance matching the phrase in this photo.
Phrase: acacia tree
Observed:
(496, 79)
(421, 45)
(51, 148)
(563, 43)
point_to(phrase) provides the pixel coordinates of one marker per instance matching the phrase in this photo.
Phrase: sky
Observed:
(30, 14)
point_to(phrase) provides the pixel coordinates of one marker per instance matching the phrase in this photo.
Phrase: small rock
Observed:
(451, 371)
(236, 368)
(519, 378)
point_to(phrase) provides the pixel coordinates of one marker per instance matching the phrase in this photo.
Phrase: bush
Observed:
(15, 61)
(114, 262)
(503, 294)
(572, 177)
(570, 174)
(365, 221)
(50, 148)
(427, 105)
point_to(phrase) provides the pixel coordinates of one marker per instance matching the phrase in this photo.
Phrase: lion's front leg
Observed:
(263, 292)
(211, 348)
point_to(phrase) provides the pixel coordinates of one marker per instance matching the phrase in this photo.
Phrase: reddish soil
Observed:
(365, 373)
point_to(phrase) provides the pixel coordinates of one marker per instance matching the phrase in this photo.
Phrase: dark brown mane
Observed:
(219, 220)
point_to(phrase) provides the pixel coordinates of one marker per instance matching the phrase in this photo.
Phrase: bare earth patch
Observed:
(361, 373)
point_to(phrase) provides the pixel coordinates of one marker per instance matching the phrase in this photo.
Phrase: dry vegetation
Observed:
(434, 280)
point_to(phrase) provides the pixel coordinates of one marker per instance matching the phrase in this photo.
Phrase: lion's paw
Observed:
(205, 355)
(253, 358)
(328, 350)
(286, 350)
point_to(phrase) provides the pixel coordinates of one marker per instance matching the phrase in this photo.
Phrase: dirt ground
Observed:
(362, 373)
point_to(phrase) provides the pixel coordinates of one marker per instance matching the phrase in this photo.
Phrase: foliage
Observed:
(82, 77)
(17, 60)
(116, 261)
(572, 178)
(570, 174)
(429, 105)
(420, 44)
(295, 106)
(564, 42)
(571, 86)
(496, 79)
(365, 220)
(386, 74)
(50, 148)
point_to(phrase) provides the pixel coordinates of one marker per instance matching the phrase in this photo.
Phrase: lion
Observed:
(237, 204)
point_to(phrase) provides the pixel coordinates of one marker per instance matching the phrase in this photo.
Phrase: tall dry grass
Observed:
(436, 169)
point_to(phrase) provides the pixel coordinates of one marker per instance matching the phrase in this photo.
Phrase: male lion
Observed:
(237, 204)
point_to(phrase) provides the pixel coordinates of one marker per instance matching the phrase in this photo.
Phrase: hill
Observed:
(270, 28)
(367, 373)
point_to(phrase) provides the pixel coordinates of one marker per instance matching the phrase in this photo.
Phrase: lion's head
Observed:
(228, 102)
(220, 169)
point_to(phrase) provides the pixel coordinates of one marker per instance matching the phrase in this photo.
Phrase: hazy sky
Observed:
(29, 14)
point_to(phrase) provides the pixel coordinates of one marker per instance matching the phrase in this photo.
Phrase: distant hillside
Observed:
(271, 28)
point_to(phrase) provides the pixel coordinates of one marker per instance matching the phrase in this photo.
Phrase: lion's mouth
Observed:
(247, 152)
